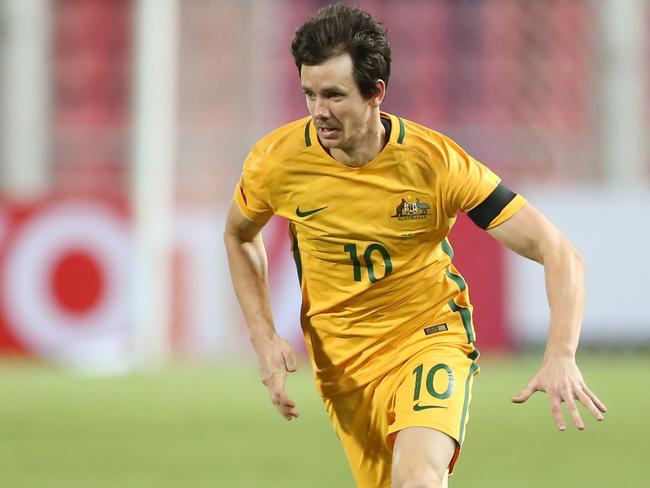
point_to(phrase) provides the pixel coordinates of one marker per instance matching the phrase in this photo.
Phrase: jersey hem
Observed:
(245, 211)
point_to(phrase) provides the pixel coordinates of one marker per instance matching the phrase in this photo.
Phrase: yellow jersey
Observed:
(370, 243)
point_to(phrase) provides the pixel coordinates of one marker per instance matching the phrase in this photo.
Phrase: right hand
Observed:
(276, 358)
(562, 381)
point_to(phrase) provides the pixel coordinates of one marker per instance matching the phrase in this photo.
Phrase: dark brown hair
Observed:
(338, 29)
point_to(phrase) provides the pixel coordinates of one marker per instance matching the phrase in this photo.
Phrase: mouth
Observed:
(328, 132)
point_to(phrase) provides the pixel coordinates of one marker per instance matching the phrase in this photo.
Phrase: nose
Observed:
(321, 108)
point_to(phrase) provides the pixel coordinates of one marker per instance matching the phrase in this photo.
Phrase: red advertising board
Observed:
(63, 282)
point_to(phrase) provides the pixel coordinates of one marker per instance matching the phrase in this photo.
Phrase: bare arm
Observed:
(249, 272)
(531, 235)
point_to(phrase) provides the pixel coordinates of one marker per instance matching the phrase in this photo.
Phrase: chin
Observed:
(331, 144)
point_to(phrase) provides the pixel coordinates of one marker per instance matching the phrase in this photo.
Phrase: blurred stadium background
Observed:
(124, 359)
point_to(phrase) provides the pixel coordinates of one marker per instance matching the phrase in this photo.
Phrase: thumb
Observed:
(290, 360)
(524, 394)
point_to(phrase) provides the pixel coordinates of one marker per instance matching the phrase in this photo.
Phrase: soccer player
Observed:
(370, 199)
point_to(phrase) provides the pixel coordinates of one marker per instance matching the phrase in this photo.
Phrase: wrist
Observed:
(262, 338)
(559, 354)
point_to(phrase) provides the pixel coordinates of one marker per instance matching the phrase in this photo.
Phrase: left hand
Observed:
(562, 381)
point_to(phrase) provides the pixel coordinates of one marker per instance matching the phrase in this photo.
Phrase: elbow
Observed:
(229, 236)
(232, 237)
(560, 251)
(576, 257)
(226, 236)
(227, 242)
(569, 256)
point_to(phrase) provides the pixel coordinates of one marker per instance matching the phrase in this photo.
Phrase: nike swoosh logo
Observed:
(417, 407)
(308, 212)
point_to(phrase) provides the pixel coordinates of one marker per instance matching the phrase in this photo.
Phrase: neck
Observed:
(366, 148)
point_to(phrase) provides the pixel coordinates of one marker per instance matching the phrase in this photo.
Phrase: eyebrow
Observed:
(329, 89)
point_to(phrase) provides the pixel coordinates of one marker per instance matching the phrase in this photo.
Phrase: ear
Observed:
(378, 97)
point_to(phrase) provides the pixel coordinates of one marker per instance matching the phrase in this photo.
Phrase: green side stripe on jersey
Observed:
(466, 318)
(446, 247)
(472, 371)
(402, 131)
(307, 138)
(458, 279)
(296, 255)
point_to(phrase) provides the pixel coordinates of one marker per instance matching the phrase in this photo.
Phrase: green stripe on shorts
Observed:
(472, 370)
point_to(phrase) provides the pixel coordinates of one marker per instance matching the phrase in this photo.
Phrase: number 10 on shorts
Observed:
(438, 369)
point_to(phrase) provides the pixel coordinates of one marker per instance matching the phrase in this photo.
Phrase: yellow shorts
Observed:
(432, 389)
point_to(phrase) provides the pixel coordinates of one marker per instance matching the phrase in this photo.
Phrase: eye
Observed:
(310, 94)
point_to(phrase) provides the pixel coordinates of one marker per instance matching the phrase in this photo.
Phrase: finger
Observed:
(525, 394)
(292, 413)
(590, 405)
(284, 401)
(601, 406)
(556, 410)
(281, 399)
(573, 409)
(287, 408)
(290, 361)
(275, 386)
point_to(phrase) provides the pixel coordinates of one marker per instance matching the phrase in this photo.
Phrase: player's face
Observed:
(341, 115)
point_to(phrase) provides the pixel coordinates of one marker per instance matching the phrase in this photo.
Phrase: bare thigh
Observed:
(421, 457)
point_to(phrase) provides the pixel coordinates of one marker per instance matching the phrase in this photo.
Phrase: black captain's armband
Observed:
(486, 211)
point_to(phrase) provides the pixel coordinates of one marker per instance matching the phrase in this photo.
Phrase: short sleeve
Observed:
(471, 187)
(252, 193)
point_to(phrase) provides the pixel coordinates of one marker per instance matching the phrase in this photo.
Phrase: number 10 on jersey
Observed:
(367, 257)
